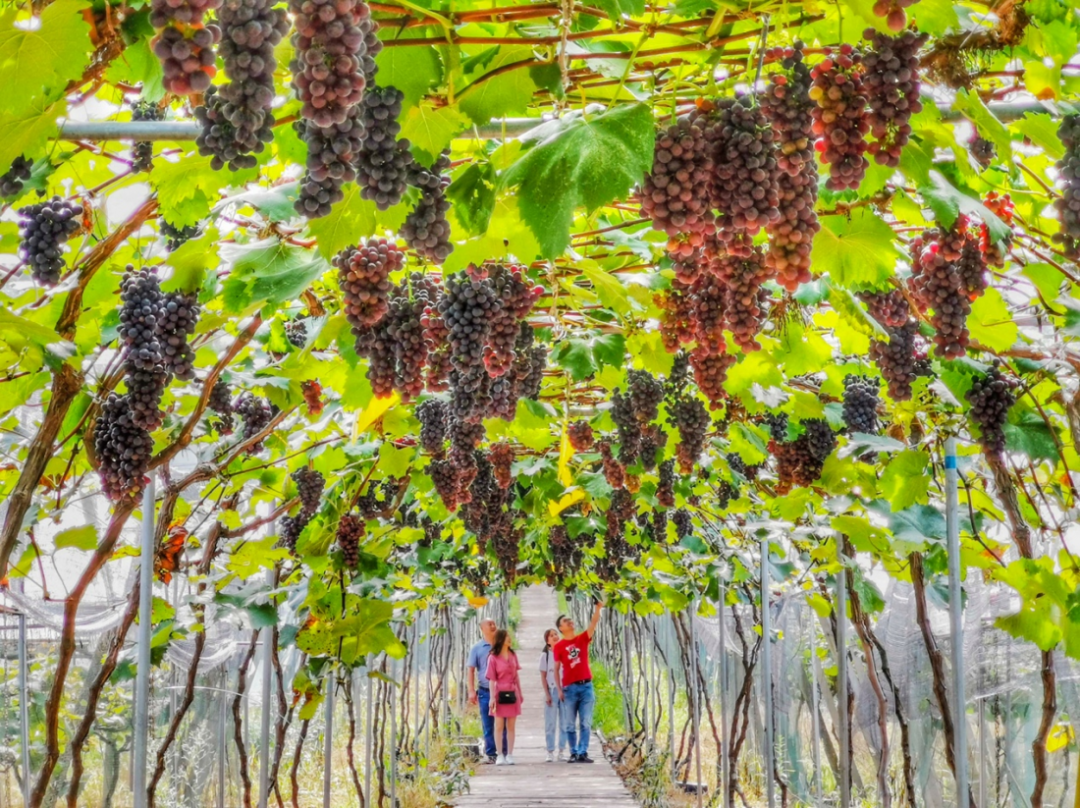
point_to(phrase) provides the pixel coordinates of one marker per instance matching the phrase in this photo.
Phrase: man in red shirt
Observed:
(575, 683)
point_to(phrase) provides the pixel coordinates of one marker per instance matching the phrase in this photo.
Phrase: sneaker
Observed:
(562, 756)
(509, 760)
(490, 759)
(550, 758)
(573, 759)
(585, 759)
(500, 761)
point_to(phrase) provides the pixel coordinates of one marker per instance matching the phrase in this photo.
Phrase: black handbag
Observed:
(507, 697)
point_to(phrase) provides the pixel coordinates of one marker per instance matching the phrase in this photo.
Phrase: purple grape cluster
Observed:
(860, 404)
(13, 180)
(186, 53)
(220, 402)
(43, 229)
(426, 229)
(990, 398)
(142, 151)
(840, 119)
(328, 69)
(141, 318)
(889, 308)
(1068, 204)
(940, 287)
(256, 415)
(891, 83)
(331, 158)
(901, 359)
(383, 163)
(123, 449)
(364, 275)
(675, 194)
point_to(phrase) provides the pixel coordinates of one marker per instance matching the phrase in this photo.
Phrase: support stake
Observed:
(328, 740)
(956, 622)
(24, 712)
(142, 675)
(766, 670)
(842, 680)
(267, 702)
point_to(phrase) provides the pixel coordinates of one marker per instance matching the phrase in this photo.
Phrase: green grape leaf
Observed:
(971, 106)
(352, 219)
(40, 60)
(853, 314)
(79, 538)
(472, 195)
(934, 17)
(749, 442)
(991, 323)
(188, 188)
(414, 71)
(579, 161)
(1042, 130)
(504, 87)
(268, 270)
(138, 65)
(855, 251)
(948, 203)
(905, 481)
(28, 132)
(1027, 433)
(429, 129)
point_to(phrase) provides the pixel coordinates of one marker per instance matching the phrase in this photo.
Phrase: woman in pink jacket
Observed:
(506, 696)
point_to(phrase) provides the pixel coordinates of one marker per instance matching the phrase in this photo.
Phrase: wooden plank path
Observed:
(532, 783)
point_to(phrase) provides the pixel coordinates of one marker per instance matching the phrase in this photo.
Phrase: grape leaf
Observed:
(1026, 432)
(856, 250)
(28, 132)
(502, 89)
(80, 538)
(40, 60)
(268, 270)
(429, 129)
(472, 194)
(904, 481)
(971, 106)
(414, 71)
(352, 219)
(948, 203)
(579, 161)
(1042, 130)
(991, 323)
(138, 65)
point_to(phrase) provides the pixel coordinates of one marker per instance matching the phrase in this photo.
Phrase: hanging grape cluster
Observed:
(176, 323)
(13, 180)
(893, 12)
(566, 554)
(889, 308)
(256, 415)
(236, 118)
(800, 461)
(689, 416)
(141, 318)
(581, 437)
(383, 162)
(901, 359)
(296, 332)
(43, 229)
(220, 402)
(948, 272)
(434, 417)
(860, 404)
(123, 449)
(176, 237)
(185, 43)
(990, 398)
(350, 530)
(364, 275)
(1068, 204)
(790, 111)
(142, 151)
(426, 229)
(675, 194)
(840, 119)
(328, 69)
(891, 83)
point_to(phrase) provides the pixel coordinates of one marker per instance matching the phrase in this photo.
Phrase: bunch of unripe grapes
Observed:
(840, 120)
(790, 110)
(256, 415)
(990, 398)
(383, 163)
(43, 229)
(860, 404)
(364, 276)
(675, 194)
(426, 229)
(581, 437)
(350, 530)
(123, 449)
(1068, 204)
(939, 285)
(901, 359)
(891, 82)
(745, 173)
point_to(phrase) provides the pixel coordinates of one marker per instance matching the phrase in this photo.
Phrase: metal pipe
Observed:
(267, 701)
(695, 689)
(815, 707)
(725, 760)
(328, 741)
(222, 752)
(766, 670)
(142, 676)
(24, 712)
(367, 731)
(393, 734)
(497, 129)
(842, 681)
(956, 621)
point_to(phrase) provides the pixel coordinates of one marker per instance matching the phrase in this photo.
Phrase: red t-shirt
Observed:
(573, 655)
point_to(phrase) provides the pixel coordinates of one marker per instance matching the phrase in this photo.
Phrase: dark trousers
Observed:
(487, 721)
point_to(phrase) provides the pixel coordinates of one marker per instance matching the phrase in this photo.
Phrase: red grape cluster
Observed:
(614, 472)
(860, 404)
(990, 398)
(383, 163)
(309, 487)
(889, 308)
(893, 11)
(675, 194)
(350, 530)
(185, 48)
(434, 416)
(939, 285)
(256, 414)
(580, 435)
(516, 297)
(690, 417)
(43, 229)
(744, 186)
(900, 360)
(1002, 206)
(891, 82)
(328, 70)
(1068, 204)
(426, 229)
(800, 462)
(840, 119)
(364, 275)
(220, 402)
(745, 299)
(790, 110)
(501, 456)
(710, 373)
(12, 180)
(665, 488)
(395, 346)
(123, 449)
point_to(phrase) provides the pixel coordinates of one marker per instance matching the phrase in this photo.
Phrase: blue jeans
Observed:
(578, 703)
(553, 719)
(487, 721)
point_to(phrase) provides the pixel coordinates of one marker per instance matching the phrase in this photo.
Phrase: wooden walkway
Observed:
(532, 783)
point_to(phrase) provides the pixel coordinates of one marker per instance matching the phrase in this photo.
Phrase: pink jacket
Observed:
(502, 673)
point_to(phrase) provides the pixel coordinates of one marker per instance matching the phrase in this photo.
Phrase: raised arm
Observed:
(595, 619)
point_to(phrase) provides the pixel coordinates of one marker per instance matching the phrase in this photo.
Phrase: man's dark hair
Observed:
(558, 623)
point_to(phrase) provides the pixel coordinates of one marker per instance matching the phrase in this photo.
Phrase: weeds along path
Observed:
(532, 783)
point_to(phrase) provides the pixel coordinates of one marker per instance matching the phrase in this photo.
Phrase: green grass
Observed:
(609, 714)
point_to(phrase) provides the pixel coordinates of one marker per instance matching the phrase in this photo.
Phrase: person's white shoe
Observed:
(509, 760)
(500, 761)
(550, 758)
(562, 756)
